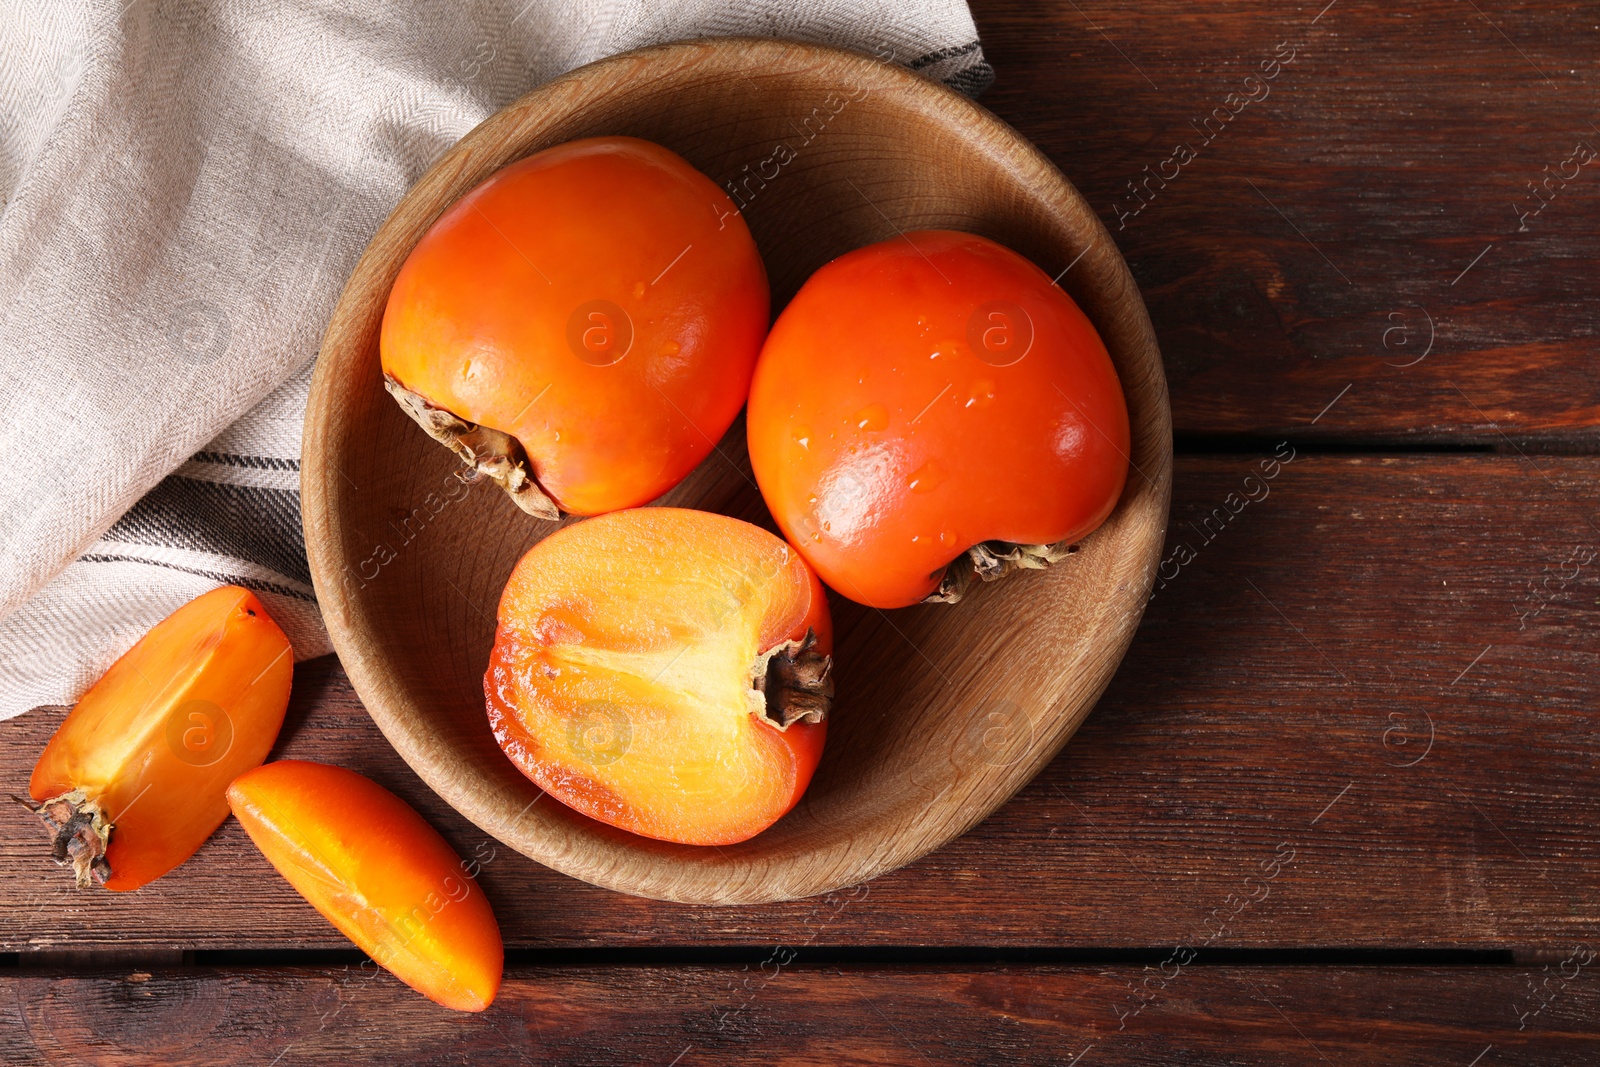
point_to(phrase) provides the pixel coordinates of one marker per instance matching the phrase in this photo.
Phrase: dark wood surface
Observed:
(1358, 724)
(1308, 244)
(1277, 702)
(973, 1016)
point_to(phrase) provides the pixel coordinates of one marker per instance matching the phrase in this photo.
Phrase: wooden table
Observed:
(1342, 802)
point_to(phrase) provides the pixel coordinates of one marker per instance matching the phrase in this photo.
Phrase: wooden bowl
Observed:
(943, 711)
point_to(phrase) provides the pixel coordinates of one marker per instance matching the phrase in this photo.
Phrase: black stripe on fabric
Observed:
(245, 522)
(943, 53)
(226, 579)
(262, 463)
(972, 79)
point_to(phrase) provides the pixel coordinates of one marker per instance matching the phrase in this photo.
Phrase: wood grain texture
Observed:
(905, 768)
(1323, 233)
(801, 1016)
(1273, 718)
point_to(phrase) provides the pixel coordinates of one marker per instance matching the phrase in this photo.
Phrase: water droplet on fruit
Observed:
(926, 478)
(871, 418)
(811, 500)
(670, 348)
(816, 536)
(638, 290)
(947, 538)
(802, 436)
(981, 394)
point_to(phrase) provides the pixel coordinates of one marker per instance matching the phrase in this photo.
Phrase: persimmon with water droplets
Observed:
(930, 409)
(582, 326)
(664, 671)
(378, 872)
(134, 780)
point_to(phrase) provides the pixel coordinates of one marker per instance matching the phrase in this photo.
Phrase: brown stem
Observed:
(487, 451)
(79, 832)
(993, 560)
(793, 682)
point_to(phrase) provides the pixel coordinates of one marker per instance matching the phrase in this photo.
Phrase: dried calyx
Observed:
(992, 560)
(79, 833)
(793, 682)
(490, 452)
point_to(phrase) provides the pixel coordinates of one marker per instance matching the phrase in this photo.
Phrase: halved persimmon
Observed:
(664, 671)
(134, 780)
(379, 873)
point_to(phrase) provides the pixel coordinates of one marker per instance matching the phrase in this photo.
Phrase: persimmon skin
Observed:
(620, 669)
(155, 742)
(488, 316)
(886, 445)
(378, 872)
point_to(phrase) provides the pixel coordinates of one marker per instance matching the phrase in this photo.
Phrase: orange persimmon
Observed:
(582, 326)
(379, 873)
(134, 780)
(930, 408)
(664, 671)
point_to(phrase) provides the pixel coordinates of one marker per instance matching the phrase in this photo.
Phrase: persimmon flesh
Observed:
(930, 408)
(664, 671)
(134, 780)
(379, 873)
(582, 326)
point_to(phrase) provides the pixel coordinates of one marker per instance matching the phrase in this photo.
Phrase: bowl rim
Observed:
(445, 771)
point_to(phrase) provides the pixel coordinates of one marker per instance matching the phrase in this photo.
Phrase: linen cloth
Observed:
(186, 187)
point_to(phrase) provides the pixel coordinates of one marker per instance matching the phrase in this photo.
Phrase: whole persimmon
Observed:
(932, 408)
(664, 671)
(582, 326)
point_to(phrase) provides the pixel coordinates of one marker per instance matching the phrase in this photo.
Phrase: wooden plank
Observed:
(1324, 232)
(1362, 714)
(799, 1015)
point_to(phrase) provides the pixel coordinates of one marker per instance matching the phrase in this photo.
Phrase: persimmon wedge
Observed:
(379, 873)
(134, 780)
(664, 671)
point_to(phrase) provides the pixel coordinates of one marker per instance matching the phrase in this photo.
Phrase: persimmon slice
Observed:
(379, 873)
(664, 671)
(133, 781)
